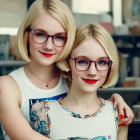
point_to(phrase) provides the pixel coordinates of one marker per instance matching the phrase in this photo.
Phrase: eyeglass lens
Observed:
(84, 64)
(41, 37)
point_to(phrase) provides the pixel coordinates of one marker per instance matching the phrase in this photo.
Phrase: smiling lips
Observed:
(47, 54)
(90, 81)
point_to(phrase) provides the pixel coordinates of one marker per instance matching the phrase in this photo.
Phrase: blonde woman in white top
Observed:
(92, 64)
(45, 37)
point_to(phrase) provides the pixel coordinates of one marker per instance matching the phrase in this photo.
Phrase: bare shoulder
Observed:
(8, 82)
(6, 78)
(9, 89)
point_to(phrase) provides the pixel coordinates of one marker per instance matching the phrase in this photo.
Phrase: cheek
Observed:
(33, 45)
(59, 50)
(103, 75)
(34, 48)
(76, 74)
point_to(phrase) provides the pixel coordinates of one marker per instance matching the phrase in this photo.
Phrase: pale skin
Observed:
(10, 97)
(12, 123)
(82, 97)
(16, 126)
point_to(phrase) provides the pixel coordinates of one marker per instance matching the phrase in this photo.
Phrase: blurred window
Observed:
(91, 6)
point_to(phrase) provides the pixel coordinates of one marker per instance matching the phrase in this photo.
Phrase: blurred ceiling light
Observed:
(8, 31)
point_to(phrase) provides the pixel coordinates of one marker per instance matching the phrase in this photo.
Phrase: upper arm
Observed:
(10, 115)
(122, 133)
(11, 118)
(9, 98)
(122, 130)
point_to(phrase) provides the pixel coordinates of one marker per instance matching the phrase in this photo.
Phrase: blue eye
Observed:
(60, 37)
(103, 62)
(82, 61)
(39, 34)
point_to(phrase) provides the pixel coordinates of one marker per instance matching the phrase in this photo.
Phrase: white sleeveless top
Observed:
(67, 125)
(31, 93)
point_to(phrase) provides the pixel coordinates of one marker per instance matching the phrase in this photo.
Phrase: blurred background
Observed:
(121, 18)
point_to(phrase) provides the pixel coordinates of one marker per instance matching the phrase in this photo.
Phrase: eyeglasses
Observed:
(83, 64)
(41, 37)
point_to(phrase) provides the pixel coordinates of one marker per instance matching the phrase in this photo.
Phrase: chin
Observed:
(89, 90)
(47, 62)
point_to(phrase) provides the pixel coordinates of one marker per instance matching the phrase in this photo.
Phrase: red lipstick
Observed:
(90, 81)
(47, 54)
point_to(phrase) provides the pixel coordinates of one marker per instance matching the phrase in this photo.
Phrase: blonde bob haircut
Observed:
(103, 37)
(56, 9)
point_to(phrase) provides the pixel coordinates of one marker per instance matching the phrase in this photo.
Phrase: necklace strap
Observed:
(73, 114)
(30, 71)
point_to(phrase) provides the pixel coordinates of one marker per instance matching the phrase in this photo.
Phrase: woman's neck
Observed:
(45, 77)
(44, 72)
(82, 103)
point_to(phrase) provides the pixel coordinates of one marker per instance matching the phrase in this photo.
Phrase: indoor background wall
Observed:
(12, 12)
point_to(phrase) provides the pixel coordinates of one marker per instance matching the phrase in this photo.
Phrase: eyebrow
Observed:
(85, 57)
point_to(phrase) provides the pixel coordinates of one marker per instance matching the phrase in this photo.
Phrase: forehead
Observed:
(47, 23)
(90, 48)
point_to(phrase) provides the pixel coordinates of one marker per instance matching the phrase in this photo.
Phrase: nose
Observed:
(92, 69)
(48, 45)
